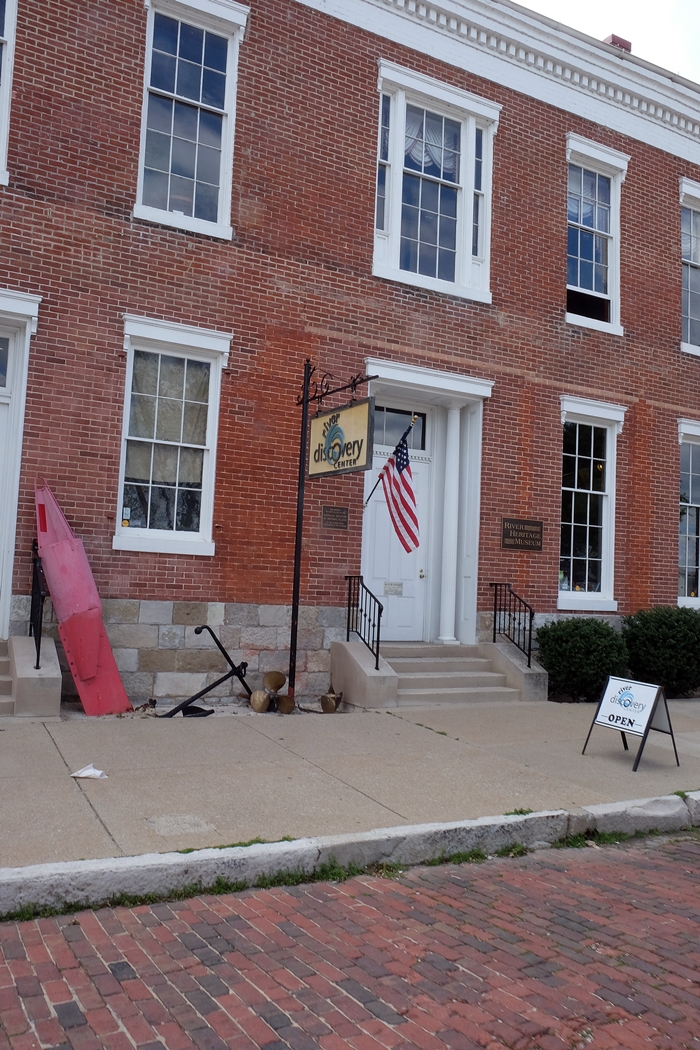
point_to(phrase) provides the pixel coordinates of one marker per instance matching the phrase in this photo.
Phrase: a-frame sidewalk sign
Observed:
(633, 708)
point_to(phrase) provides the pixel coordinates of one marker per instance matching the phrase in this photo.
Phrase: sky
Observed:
(667, 34)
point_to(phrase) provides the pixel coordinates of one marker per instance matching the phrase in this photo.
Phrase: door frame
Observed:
(19, 313)
(426, 388)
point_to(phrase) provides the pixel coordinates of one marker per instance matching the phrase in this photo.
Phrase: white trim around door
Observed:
(18, 320)
(454, 404)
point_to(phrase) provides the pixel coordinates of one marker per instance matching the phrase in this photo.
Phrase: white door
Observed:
(398, 579)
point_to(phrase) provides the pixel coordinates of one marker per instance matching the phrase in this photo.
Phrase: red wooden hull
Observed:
(78, 610)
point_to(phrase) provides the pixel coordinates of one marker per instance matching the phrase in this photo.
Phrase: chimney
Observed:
(617, 41)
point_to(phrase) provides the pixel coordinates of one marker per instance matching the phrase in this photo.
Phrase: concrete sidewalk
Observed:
(193, 783)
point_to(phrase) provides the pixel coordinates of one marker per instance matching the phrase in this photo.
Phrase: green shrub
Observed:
(664, 647)
(579, 654)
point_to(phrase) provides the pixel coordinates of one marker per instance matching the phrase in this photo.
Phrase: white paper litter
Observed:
(90, 773)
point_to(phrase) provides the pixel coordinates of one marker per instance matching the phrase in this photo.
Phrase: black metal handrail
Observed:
(364, 615)
(512, 617)
(39, 592)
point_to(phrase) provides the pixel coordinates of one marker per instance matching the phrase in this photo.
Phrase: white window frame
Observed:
(164, 337)
(690, 198)
(688, 430)
(8, 42)
(610, 416)
(606, 161)
(226, 18)
(472, 273)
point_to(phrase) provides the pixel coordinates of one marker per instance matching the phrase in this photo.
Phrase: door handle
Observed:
(421, 575)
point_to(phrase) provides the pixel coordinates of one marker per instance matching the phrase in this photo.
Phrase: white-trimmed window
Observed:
(690, 253)
(689, 516)
(587, 547)
(8, 22)
(433, 208)
(595, 176)
(171, 413)
(185, 164)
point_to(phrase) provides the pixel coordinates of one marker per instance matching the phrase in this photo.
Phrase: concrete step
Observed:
(408, 665)
(426, 649)
(427, 697)
(439, 680)
(5, 685)
(4, 665)
(7, 706)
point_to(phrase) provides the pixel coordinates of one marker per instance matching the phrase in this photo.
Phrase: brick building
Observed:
(496, 216)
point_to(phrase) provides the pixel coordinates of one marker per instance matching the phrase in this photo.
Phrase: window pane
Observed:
(135, 507)
(162, 508)
(142, 416)
(169, 424)
(191, 42)
(183, 160)
(172, 376)
(145, 373)
(155, 189)
(188, 510)
(165, 34)
(4, 353)
(194, 431)
(191, 466)
(160, 113)
(215, 51)
(162, 72)
(165, 464)
(138, 462)
(213, 89)
(158, 151)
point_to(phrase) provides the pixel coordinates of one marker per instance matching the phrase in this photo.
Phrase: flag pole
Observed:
(379, 478)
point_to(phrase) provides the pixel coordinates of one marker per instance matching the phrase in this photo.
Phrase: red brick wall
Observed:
(296, 282)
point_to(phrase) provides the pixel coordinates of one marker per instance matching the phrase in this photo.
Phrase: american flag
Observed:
(397, 482)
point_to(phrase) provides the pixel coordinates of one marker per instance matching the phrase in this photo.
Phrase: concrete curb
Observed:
(90, 882)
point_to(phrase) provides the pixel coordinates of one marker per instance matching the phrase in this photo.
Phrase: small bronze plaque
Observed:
(335, 517)
(518, 534)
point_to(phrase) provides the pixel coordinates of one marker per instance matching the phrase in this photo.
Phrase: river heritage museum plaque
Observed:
(518, 534)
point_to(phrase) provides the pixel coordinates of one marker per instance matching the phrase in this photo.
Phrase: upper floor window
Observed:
(186, 157)
(690, 253)
(432, 218)
(166, 487)
(8, 21)
(595, 174)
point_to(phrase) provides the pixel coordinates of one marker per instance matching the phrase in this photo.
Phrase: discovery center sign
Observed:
(342, 440)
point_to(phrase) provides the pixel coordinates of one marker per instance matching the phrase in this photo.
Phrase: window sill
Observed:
(596, 326)
(183, 222)
(690, 348)
(417, 280)
(585, 602)
(689, 603)
(4, 178)
(162, 543)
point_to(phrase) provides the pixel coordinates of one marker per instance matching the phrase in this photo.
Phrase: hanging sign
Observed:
(341, 441)
(633, 708)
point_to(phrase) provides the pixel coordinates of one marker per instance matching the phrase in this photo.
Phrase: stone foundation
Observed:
(485, 622)
(159, 655)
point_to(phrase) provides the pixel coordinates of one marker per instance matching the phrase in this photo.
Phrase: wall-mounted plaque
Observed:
(519, 534)
(335, 518)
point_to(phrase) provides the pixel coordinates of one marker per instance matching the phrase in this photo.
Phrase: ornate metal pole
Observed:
(300, 527)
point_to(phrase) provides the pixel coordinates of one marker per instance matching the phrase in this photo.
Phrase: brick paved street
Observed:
(559, 950)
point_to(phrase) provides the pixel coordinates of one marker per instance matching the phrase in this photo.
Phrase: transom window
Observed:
(390, 424)
(690, 249)
(432, 213)
(583, 492)
(167, 438)
(689, 530)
